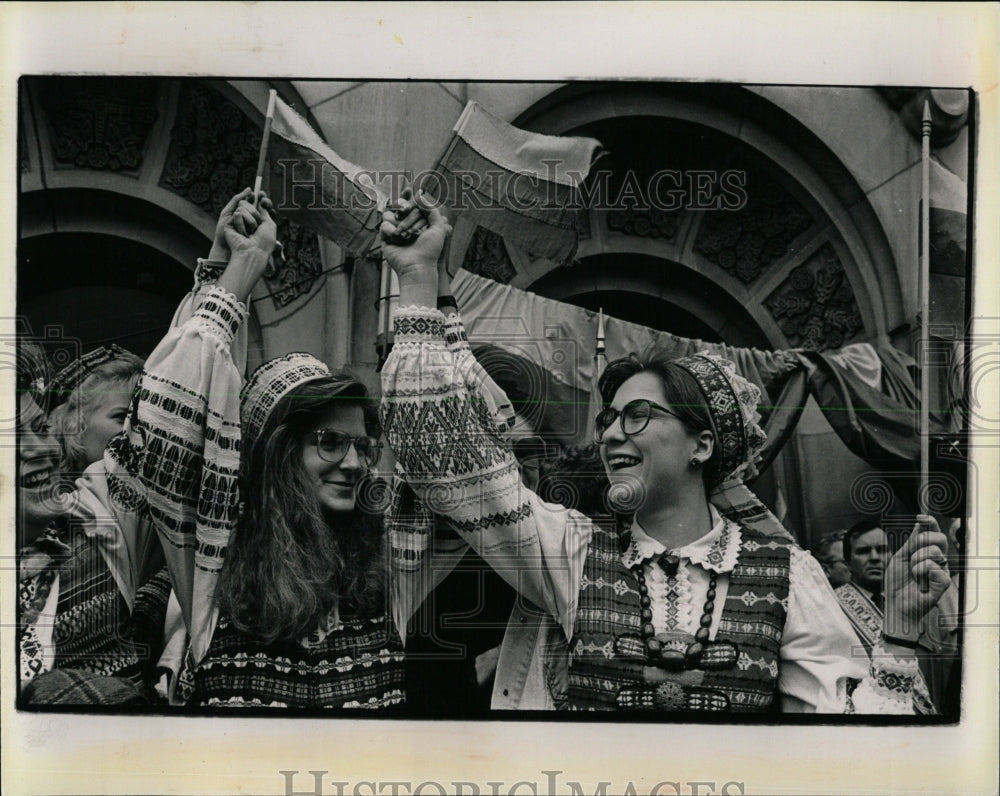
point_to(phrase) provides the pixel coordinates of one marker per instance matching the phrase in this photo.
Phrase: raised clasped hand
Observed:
(251, 229)
(916, 578)
(413, 235)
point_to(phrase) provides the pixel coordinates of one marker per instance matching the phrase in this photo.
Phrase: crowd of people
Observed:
(191, 537)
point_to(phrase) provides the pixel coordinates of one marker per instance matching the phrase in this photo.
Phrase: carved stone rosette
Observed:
(745, 242)
(213, 153)
(100, 123)
(815, 306)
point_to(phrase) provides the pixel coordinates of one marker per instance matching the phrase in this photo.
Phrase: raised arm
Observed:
(825, 668)
(445, 433)
(180, 449)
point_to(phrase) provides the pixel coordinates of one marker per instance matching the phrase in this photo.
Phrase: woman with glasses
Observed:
(256, 490)
(699, 601)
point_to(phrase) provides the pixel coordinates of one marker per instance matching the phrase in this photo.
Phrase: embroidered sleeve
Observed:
(889, 686)
(180, 448)
(442, 424)
(825, 667)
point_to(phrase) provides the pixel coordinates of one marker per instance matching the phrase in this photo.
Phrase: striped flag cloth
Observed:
(315, 187)
(521, 185)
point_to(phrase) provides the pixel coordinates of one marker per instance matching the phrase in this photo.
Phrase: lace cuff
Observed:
(220, 315)
(889, 686)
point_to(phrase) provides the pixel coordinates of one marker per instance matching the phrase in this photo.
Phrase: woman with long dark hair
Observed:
(256, 490)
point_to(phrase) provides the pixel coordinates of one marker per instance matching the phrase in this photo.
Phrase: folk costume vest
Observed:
(92, 631)
(356, 663)
(608, 667)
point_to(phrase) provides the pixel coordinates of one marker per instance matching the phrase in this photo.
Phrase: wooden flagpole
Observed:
(925, 303)
(262, 158)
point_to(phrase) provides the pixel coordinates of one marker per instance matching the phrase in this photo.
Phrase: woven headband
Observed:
(732, 404)
(74, 374)
(271, 382)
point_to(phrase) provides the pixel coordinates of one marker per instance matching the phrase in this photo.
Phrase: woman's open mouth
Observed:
(36, 479)
(620, 461)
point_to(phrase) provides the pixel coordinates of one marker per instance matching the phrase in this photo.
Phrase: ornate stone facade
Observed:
(644, 223)
(815, 306)
(300, 266)
(747, 241)
(100, 123)
(213, 153)
(213, 149)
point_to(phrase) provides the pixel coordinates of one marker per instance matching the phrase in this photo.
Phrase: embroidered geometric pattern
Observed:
(753, 618)
(192, 489)
(271, 382)
(732, 403)
(356, 664)
(92, 629)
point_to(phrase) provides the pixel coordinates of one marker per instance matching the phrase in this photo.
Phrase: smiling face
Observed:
(39, 455)
(869, 555)
(658, 457)
(336, 482)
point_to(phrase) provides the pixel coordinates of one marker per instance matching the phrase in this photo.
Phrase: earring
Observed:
(695, 463)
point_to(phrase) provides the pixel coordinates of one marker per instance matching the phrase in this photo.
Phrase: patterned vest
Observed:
(92, 630)
(357, 663)
(608, 667)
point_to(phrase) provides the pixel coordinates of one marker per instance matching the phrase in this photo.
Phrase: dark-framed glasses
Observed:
(332, 446)
(633, 417)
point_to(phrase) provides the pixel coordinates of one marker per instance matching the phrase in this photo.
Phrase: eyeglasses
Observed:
(634, 418)
(332, 446)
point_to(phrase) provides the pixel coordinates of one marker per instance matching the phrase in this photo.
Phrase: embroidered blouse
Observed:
(450, 448)
(181, 451)
(94, 568)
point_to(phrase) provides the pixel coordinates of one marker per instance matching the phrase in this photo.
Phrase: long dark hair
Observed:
(684, 396)
(287, 563)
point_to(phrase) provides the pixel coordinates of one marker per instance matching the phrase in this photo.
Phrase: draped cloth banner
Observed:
(521, 185)
(315, 187)
(541, 352)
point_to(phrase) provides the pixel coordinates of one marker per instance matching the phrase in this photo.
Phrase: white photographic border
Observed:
(919, 44)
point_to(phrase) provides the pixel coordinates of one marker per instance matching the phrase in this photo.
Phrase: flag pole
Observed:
(600, 362)
(262, 158)
(388, 295)
(925, 237)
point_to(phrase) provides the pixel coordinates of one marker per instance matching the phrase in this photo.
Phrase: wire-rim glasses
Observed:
(633, 418)
(332, 446)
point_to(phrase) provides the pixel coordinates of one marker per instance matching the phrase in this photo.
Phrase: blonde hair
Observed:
(69, 419)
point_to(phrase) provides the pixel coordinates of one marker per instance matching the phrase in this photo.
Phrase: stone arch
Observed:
(786, 292)
(138, 168)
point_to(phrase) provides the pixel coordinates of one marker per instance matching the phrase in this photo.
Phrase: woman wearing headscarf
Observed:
(699, 600)
(257, 493)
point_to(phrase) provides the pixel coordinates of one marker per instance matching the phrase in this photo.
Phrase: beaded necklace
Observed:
(661, 656)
